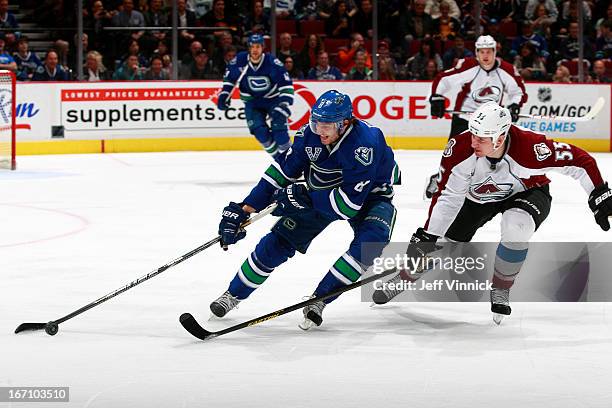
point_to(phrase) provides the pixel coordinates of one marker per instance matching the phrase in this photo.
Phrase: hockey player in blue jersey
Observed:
(350, 172)
(266, 90)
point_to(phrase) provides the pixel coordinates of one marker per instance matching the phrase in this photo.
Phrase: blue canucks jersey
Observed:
(265, 84)
(26, 66)
(360, 167)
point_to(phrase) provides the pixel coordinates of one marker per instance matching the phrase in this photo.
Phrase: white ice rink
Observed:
(74, 228)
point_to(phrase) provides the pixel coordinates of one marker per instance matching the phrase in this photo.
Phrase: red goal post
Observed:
(7, 120)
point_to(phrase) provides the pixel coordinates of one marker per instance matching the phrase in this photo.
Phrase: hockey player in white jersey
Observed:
(473, 82)
(496, 167)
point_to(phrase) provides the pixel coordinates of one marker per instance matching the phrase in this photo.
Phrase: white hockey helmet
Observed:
(490, 120)
(485, 41)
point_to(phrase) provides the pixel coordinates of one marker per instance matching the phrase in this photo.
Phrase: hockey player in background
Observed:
(473, 82)
(266, 90)
(350, 172)
(496, 167)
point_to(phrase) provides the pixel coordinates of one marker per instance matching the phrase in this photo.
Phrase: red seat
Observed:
(469, 45)
(573, 66)
(332, 44)
(415, 47)
(297, 43)
(286, 26)
(308, 27)
(508, 29)
(608, 68)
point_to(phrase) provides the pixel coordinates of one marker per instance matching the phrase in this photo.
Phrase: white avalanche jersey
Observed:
(473, 86)
(528, 156)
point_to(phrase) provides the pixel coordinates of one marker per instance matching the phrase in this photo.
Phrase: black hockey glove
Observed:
(291, 200)
(514, 109)
(436, 103)
(600, 202)
(223, 101)
(229, 228)
(421, 244)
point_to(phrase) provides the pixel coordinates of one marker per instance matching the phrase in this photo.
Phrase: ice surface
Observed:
(77, 227)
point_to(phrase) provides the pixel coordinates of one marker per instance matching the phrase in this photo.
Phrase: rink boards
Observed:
(181, 115)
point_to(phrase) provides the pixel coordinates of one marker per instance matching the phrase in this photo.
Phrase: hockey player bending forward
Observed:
(266, 90)
(496, 167)
(350, 172)
(473, 82)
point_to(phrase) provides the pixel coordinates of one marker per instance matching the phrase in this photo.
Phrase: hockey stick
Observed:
(237, 84)
(195, 329)
(590, 115)
(52, 327)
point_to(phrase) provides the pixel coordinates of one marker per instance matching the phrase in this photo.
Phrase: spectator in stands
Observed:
(154, 17)
(455, 53)
(326, 8)
(415, 24)
(445, 25)
(6, 61)
(186, 18)
(360, 72)
(339, 24)
(285, 8)
(8, 21)
(549, 5)
(128, 17)
(218, 18)
(307, 58)
(200, 68)
(306, 9)
(94, 23)
(386, 69)
(501, 10)
(294, 72)
(323, 70)
(27, 61)
(223, 43)
(562, 75)
(362, 22)
(129, 71)
(492, 29)
(194, 48)
(50, 70)
(156, 71)
(599, 73)
(432, 7)
(346, 58)
(62, 48)
(258, 21)
(431, 70)
(539, 42)
(228, 54)
(569, 11)
(284, 49)
(94, 69)
(603, 44)
(415, 66)
(568, 47)
(608, 16)
(134, 49)
(529, 64)
(542, 22)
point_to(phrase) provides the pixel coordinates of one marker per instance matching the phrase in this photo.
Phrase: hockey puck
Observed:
(51, 328)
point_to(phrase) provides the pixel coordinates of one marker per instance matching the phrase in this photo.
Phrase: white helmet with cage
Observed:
(490, 120)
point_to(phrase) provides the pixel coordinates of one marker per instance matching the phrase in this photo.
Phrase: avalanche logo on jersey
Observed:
(313, 155)
(542, 151)
(259, 83)
(448, 150)
(487, 93)
(489, 190)
(364, 155)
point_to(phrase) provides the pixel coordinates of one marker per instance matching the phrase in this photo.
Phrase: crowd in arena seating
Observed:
(317, 39)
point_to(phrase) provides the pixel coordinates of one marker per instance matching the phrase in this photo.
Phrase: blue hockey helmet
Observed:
(255, 39)
(331, 107)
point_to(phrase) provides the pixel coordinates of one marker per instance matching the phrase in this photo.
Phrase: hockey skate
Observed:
(224, 304)
(382, 296)
(313, 315)
(500, 304)
(431, 187)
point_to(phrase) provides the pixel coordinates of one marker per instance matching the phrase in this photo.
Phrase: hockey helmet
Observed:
(255, 39)
(331, 107)
(490, 120)
(485, 41)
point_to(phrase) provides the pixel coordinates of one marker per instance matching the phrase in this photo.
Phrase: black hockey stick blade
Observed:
(195, 329)
(30, 327)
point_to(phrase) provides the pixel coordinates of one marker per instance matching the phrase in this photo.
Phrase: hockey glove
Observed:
(291, 200)
(229, 228)
(283, 109)
(514, 109)
(600, 202)
(223, 101)
(421, 244)
(436, 103)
